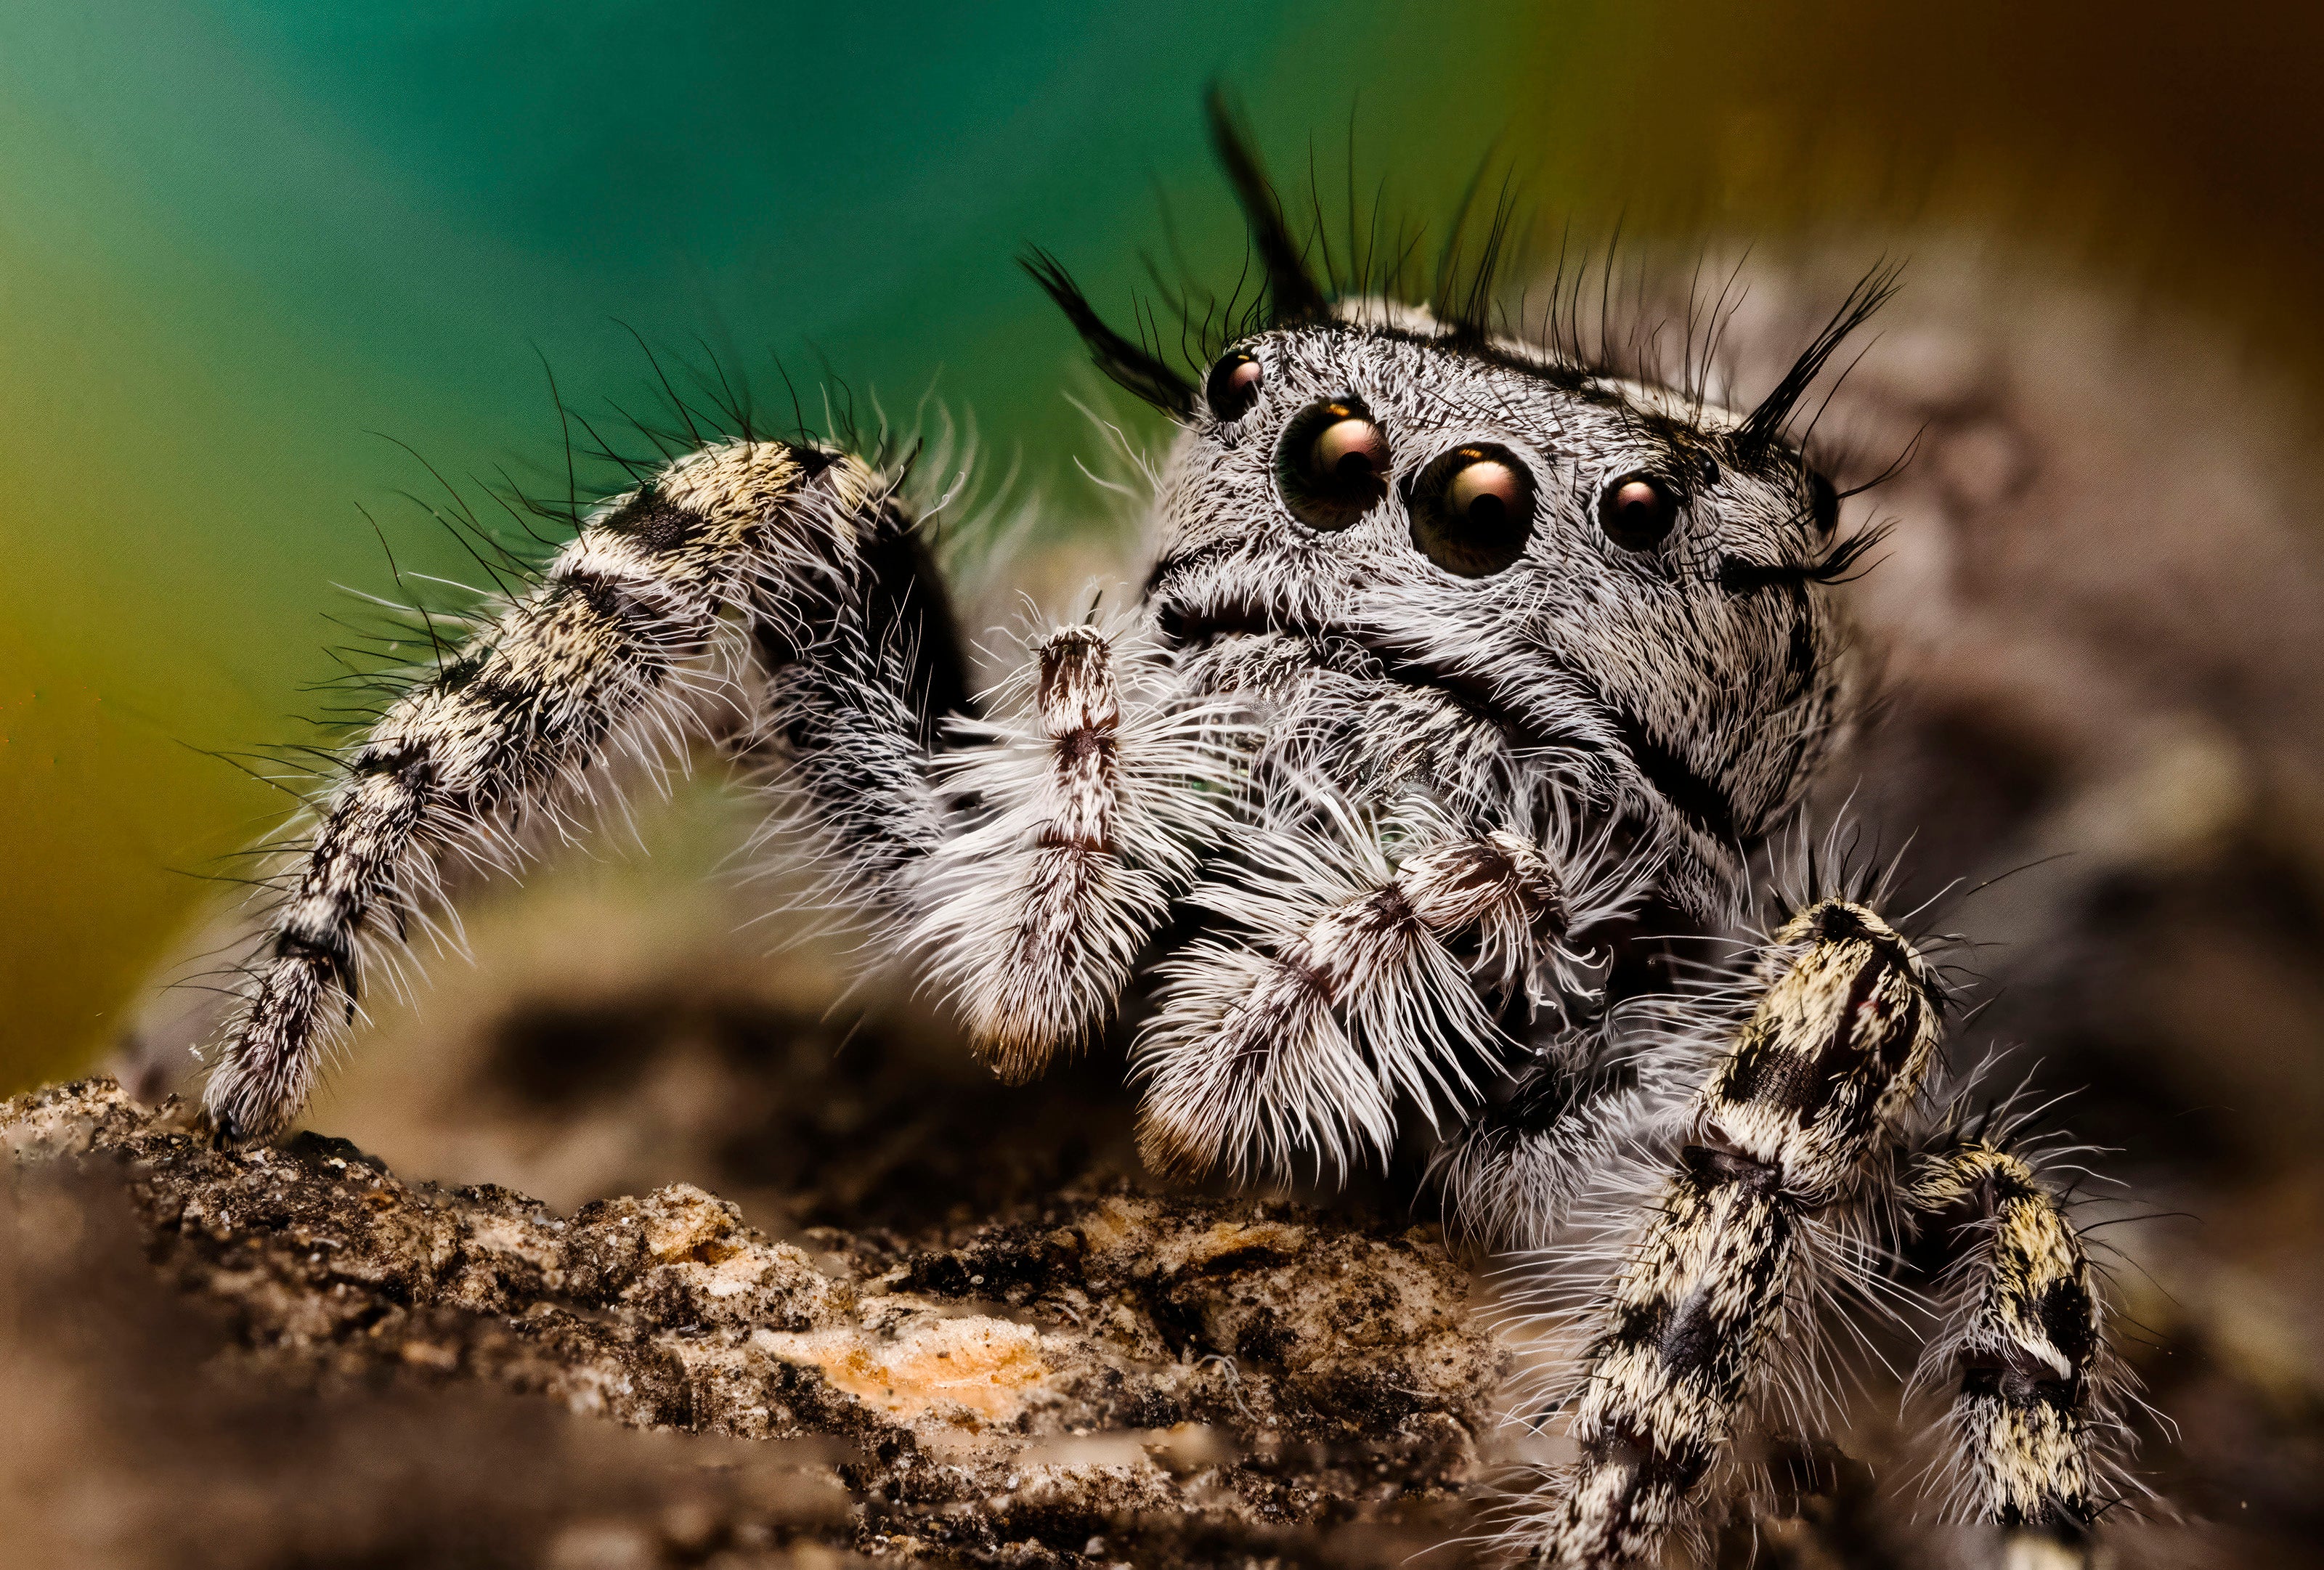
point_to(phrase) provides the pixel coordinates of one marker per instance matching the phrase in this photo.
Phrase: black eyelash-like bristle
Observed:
(1761, 428)
(1465, 293)
(1132, 365)
(1293, 294)
(1840, 564)
(1297, 281)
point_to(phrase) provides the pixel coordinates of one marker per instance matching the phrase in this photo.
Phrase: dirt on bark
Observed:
(352, 1369)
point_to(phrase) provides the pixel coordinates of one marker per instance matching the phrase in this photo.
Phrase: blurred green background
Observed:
(237, 241)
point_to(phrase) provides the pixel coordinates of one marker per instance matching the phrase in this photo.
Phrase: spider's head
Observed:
(1617, 572)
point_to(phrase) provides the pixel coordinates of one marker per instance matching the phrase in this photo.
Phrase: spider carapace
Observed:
(1458, 651)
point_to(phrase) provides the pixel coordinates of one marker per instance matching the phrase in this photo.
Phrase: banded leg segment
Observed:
(1093, 801)
(1300, 1046)
(609, 654)
(1813, 1090)
(864, 663)
(2024, 1342)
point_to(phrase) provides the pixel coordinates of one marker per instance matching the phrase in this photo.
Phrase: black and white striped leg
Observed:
(632, 641)
(862, 674)
(1808, 1098)
(2023, 1345)
(1350, 990)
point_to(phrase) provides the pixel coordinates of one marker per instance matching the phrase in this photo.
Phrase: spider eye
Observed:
(1333, 464)
(1233, 384)
(1472, 510)
(1824, 503)
(1637, 512)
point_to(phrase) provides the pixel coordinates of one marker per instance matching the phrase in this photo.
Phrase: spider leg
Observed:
(863, 665)
(1349, 992)
(1511, 1176)
(1087, 804)
(618, 650)
(1808, 1095)
(2022, 1343)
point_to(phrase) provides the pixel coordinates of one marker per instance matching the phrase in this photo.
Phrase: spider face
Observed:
(1593, 570)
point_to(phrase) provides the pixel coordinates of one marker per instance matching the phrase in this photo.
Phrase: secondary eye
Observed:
(1233, 384)
(1472, 510)
(1823, 502)
(1333, 464)
(1637, 512)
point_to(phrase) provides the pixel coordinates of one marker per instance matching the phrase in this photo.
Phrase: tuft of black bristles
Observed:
(1293, 294)
(1465, 291)
(1133, 366)
(1843, 563)
(1574, 338)
(1765, 424)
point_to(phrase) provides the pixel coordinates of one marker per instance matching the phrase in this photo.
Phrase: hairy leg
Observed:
(1087, 805)
(1512, 1175)
(1808, 1095)
(865, 665)
(622, 648)
(1348, 990)
(2023, 1344)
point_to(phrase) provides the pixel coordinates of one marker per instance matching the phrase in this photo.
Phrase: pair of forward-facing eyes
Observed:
(1473, 506)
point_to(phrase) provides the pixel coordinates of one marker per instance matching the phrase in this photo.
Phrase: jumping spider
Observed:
(1462, 664)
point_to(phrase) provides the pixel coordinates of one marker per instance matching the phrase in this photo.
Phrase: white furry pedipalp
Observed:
(1087, 799)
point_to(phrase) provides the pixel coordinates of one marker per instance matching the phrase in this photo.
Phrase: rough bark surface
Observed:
(1109, 1376)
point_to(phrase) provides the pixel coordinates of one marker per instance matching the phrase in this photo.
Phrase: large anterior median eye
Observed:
(1333, 464)
(1637, 512)
(1472, 510)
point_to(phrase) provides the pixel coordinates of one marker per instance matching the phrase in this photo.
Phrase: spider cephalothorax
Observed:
(1457, 651)
(1591, 571)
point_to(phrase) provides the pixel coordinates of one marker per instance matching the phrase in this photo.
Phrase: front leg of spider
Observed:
(636, 638)
(2022, 1345)
(1792, 1137)
(1794, 1117)
(1027, 865)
